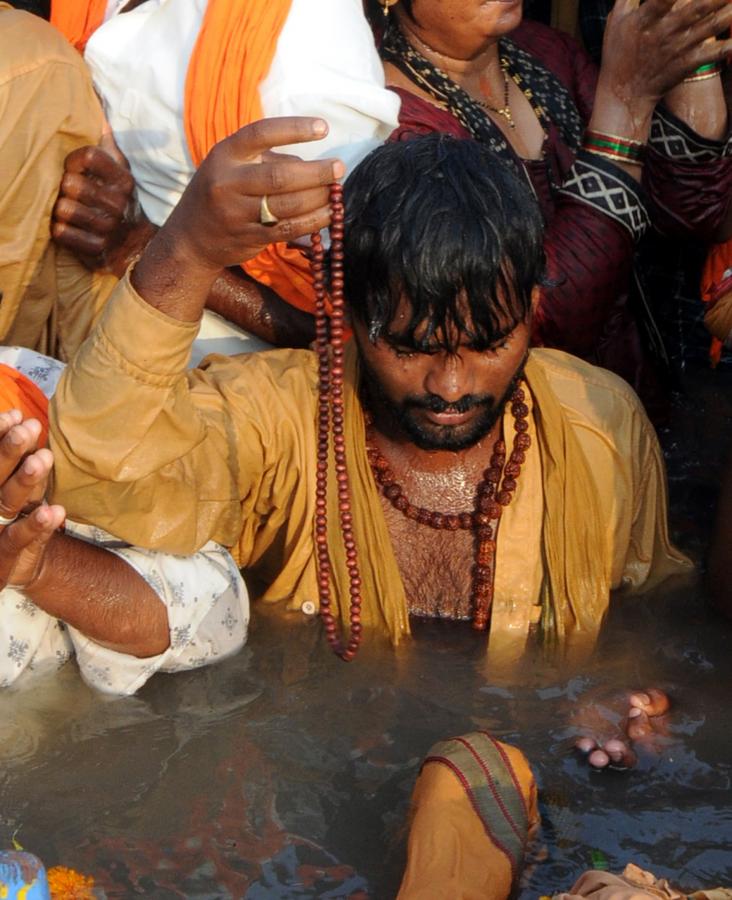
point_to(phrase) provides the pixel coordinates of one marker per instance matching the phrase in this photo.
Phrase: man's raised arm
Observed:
(217, 221)
(141, 449)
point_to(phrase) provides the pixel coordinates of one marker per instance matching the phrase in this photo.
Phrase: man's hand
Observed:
(217, 220)
(24, 472)
(91, 217)
(218, 216)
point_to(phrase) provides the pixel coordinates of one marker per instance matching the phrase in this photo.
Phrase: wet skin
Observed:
(436, 418)
(461, 28)
(644, 720)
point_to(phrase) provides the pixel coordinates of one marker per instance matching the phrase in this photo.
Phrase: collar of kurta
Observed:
(576, 560)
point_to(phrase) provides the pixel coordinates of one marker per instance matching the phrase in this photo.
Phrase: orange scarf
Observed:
(232, 56)
(714, 286)
(19, 392)
(78, 19)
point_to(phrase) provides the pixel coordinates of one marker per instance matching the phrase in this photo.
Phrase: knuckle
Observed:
(287, 229)
(276, 178)
(255, 132)
(88, 155)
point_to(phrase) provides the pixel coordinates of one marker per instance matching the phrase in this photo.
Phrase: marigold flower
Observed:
(68, 884)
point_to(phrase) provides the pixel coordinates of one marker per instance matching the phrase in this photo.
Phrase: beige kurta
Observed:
(169, 459)
(47, 109)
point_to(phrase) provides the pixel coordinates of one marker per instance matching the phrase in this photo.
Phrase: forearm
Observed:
(257, 309)
(702, 106)
(170, 279)
(619, 113)
(100, 595)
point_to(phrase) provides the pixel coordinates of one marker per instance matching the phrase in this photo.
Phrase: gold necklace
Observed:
(505, 110)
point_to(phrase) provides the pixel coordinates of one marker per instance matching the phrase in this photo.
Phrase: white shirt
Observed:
(325, 65)
(204, 595)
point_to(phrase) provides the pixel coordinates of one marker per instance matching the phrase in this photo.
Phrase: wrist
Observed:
(617, 111)
(39, 581)
(172, 277)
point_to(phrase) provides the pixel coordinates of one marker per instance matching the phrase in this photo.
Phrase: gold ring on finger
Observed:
(266, 216)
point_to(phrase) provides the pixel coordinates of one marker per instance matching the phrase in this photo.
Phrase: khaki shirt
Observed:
(48, 300)
(169, 459)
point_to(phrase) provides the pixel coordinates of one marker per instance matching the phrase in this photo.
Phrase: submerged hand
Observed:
(24, 474)
(643, 723)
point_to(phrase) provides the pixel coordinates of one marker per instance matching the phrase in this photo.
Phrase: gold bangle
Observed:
(618, 138)
(615, 157)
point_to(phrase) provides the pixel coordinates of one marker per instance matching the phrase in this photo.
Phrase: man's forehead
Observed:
(427, 333)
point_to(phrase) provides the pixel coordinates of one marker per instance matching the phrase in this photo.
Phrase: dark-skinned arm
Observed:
(216, 222)
(171, 467)
(88, 587)
(96, 219)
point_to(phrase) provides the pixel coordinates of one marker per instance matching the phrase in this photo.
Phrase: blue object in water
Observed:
(22, 876)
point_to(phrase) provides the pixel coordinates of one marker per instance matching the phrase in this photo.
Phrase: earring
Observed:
(386, 6)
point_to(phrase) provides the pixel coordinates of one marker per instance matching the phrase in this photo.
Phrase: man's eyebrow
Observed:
(408, 342)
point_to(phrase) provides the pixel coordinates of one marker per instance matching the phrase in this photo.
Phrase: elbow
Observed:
(145, 635)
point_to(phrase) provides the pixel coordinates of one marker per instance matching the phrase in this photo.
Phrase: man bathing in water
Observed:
(442, 254)
(451, 427)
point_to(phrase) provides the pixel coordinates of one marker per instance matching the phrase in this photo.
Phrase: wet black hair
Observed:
(428, 219)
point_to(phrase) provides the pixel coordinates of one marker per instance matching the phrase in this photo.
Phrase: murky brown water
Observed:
(284, 773)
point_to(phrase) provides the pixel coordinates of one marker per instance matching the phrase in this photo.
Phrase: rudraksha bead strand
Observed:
(490, 501)
(331, 413)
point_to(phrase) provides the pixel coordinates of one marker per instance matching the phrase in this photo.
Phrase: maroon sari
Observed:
(595, 213)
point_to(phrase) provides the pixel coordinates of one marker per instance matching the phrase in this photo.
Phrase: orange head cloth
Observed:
(714, 285)
(19, 392)
(78, 19)
(232, 56)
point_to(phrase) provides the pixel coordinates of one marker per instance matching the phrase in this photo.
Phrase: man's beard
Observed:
(442, 437)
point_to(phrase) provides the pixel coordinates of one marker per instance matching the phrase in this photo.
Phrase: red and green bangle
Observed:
(614, 147)
(708, 70)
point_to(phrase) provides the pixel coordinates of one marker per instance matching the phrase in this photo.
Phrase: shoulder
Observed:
(419, 116)
(591, 396)
(28, 42)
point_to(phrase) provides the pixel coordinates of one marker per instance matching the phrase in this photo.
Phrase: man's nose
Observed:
(447, 377)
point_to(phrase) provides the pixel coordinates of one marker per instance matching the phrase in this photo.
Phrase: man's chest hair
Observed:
(436, 566)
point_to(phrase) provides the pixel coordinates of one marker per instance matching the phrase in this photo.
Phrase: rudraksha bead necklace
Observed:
(490, 501)
(330, 406)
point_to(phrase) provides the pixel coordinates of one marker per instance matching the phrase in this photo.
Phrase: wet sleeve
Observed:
(650, 556)
(688, 178)
(208, 614)
(140, 450)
